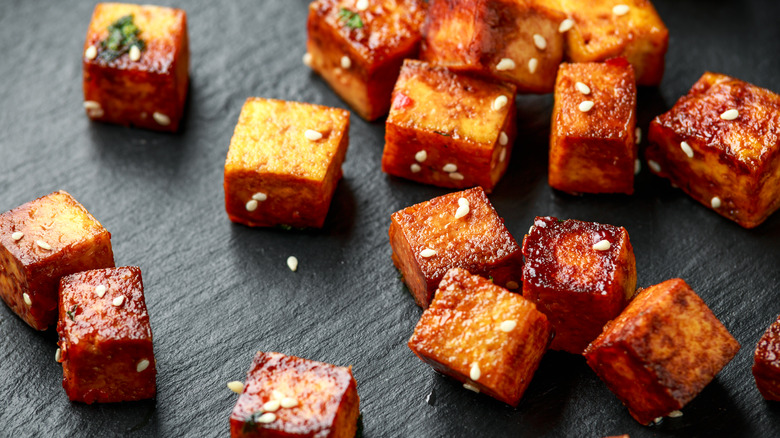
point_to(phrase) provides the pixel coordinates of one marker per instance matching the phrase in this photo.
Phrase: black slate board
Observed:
(218, 292)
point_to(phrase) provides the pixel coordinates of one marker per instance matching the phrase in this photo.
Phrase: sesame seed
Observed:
(582, 88)
(715, 202)
(506, 64)
(277, 395)
(532, 64)
(427, 252)
(730, 114)
(531, 229)
(415, 168)
(271, 406)
(512, 285)
(508, 325)
(91, 52)
(236, 386)
(266, 418)
(471, 387)
(463, 208)
(654, 165)
(142, 365)
(17, 235)
(675, 414)
(503, 139)
(161, 118)
(638, 135)
(586, 105)
(251, 205)
(346, 62)
(100, 290)
(260, 196)
(620, 10)
(637, 166)
(421, 156)
(135, 53)
(499, 103)
(449, 168)
(312, 135)
(43, 245)
(475, 372)
(687, 149)
(540, 42)
(27, 299)
(658, 420)
(58, 355)
(289, 402)
(292, 263)
(566, 25)
(361, 5)
(502, 155)
(118, 301)
(457, 176)
(602, 245)
(91, 105)
(307, 59)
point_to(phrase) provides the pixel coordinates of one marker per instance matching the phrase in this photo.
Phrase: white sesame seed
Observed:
(530, 230)
(730, 114)
(236, 386)
(637, 166)
(346, 62)
(658, 420)
(457, 176)
(503, 139)
(427, 252)
(566, 25)
(586, 105)
(449, 168)
(292, 263)
(277, 395)
(91, 52)
(27, 299)
(135, 53)
(502, 155)
(307, 59)
(654, 165)
(602, 245)
(715, 202)
(512, 285)
(582, 88)
(361, 5)
(687, 149)
(499, 103)
(415, 168)
(142, 365)
(312, 135)
(118, 301)
(289, 402)
(100, 290)
(58, 355)
(475, 372)
(508, 325)
(421, 156)
(471, 387)
(620, 10)
(540, 42)
(43, 245)
(638, 135)
(266, 418)
(17, 235)
(533, 63)
(251, 205)
(675, 414)
(91, 105)
(161, 118)
(506, 64)
(463, 208)
(271, 406)
(260, 196)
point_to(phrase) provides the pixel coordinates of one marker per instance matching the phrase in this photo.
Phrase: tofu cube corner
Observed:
(766, 362)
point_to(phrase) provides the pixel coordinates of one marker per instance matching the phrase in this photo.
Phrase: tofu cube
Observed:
(105, 338)
(480, 334)
(592, 140)
(131, 82)
(40, 242)
(580, 274)
(720, 144)
(605, 29)
(286, 396)
(448, 129)
(359, 52)
(664, 348)
(766, 363)
(284, 163)
(510, 40)
(458, 230)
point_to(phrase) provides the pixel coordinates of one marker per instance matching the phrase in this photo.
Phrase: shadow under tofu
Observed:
(136, 418)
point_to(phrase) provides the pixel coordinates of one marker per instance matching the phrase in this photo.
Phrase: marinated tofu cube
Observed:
(592, 139)
(580, 274)
(40, 242)
(286, 396)
(105, 338)
(284, 163)
(447, 129)
(720, 144)
(136, 66)
(608, 29)
(510, 40)
(664, 348)
(480, 334)
(358, 46)
(458, 230)
(766, 363)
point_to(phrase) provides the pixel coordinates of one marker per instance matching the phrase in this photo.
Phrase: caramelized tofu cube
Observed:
(766, 363)
(136, 65)
(105, 338)
(359, 52)
(592, 139)
(510, 40)
(580, 274)
(603, 30)
(664, 348)
(458, 230)
(284, 163)
(448, 129)
(286, 396)
(482, 335)
(720, 144)
(40, 242)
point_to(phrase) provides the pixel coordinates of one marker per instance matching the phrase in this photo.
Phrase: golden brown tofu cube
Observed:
(447, 129)
(458, 230)
(510, 40)
(720, 144)
(483, 335)
(580, 274)
(766, 363)
(359, 52)
(284, 163)
(592, 139)
(605, 29)
(288, 397)
(136, 65)
(664, 348)
(40, 242)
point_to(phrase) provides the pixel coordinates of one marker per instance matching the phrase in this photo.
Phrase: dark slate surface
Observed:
(218, 292)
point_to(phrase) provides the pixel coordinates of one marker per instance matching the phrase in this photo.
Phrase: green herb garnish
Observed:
(251, 421)
(72, 312)
(122, 35)
(350, 19)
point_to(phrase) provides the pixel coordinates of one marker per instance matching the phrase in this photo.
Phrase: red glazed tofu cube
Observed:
(136, 65)
(510, 40)
(664, 348)
(448, 129)
(580, 274)
(358, 47)
(592, 138)
(284, 163)
(721, 144)
(766, 363)
(40, 242)
(482, 335)
(608, 29)
(105, 338)
(286, 396)
(458, 230)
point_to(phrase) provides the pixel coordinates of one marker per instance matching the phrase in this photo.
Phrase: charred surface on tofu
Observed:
(766, 363)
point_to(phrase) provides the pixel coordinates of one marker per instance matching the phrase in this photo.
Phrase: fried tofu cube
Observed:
(580, 274)
(359, 51)
(136, 66)
(105, 338)
(510, 40)
(592, 139)
(720, 144)
(458, 230)
(664, 348)
(480, 334)
(284, 163)
(604, 29)
(766, 363)
(40, 242)
(286, 396)
(447, 129)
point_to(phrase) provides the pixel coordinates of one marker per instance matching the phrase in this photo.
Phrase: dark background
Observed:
(218, 292)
